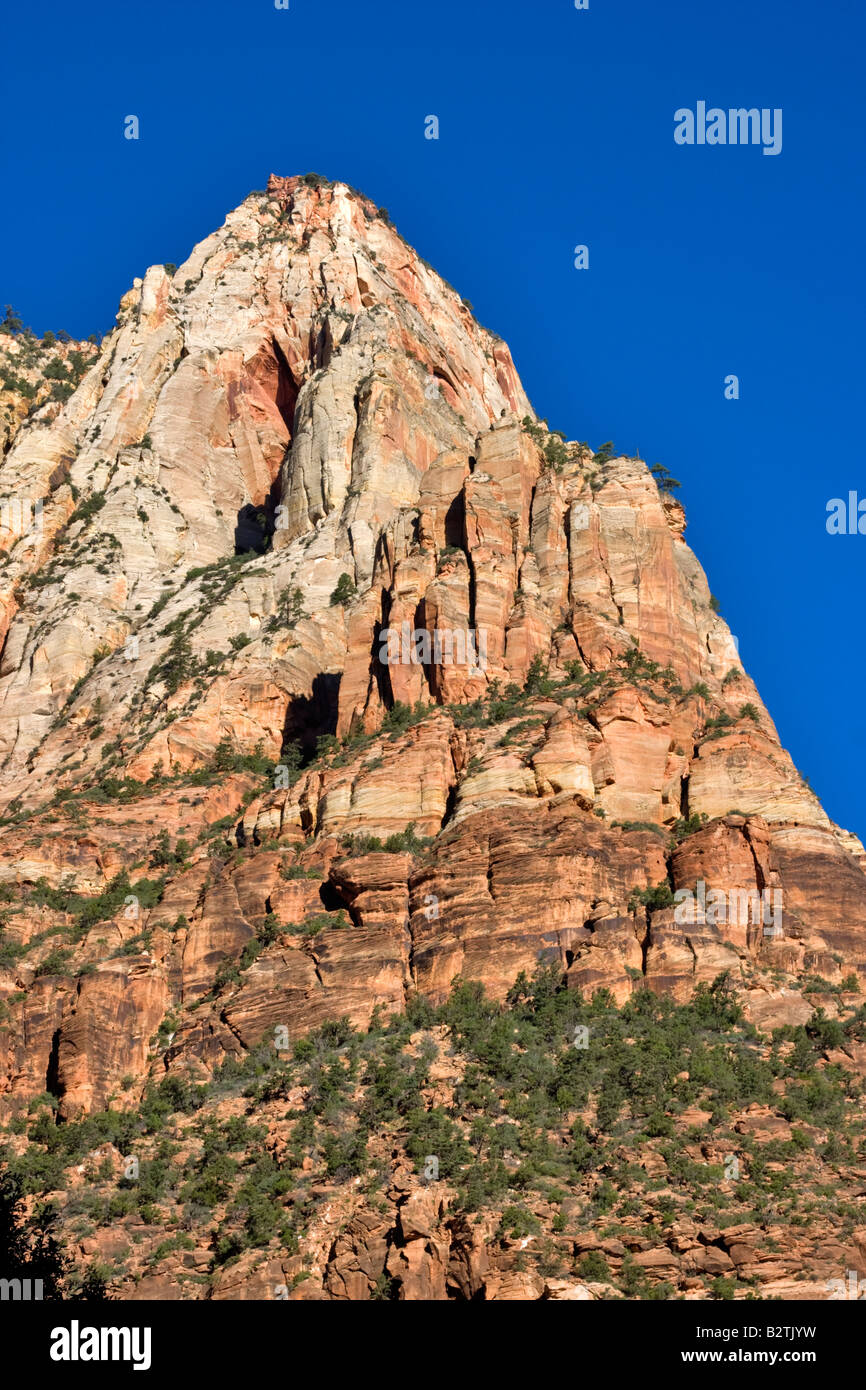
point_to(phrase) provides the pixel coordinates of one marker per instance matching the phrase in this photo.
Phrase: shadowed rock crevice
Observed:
(53, 1084)
(309, 717)
(287, 389)
(455, 523)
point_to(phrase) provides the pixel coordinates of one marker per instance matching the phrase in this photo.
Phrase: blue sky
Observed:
(556, 129)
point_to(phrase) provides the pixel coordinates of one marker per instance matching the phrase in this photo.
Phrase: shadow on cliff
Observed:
(309, 717)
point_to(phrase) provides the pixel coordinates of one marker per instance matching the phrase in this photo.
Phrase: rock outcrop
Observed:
(331, 674)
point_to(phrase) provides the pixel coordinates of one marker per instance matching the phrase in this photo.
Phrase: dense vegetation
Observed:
(555, 1104)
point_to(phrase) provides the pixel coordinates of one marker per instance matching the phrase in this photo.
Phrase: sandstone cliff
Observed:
(306, 386)
(224, 813)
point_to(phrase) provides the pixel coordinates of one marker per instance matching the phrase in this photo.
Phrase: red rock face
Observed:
(306, 373)
(105, 1031)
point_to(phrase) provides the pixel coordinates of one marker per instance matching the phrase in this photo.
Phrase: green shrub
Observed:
(593, 1268)
(345, 590)
(652, 898)
(517, 1222)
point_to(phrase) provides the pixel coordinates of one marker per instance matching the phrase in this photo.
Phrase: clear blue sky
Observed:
(556, 129)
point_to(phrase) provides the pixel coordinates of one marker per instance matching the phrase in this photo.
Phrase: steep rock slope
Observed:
(225, 814)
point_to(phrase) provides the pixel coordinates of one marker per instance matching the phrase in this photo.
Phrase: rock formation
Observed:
(225, 812)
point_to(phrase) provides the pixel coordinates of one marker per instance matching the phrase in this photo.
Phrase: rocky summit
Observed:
(372, 749)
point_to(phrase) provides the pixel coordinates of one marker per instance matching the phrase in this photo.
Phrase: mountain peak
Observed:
(310, 579)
